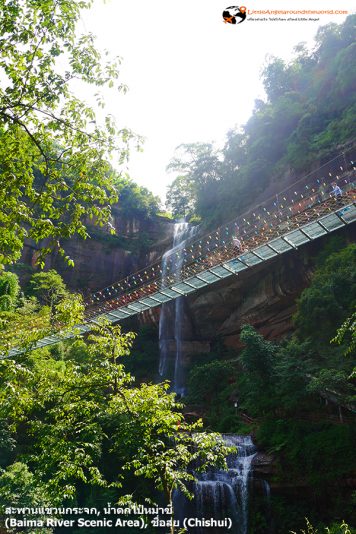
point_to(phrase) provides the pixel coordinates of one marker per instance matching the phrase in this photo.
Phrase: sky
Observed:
(191, 77)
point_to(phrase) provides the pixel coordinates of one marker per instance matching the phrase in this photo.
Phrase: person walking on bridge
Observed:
(336, 190)
(237, 242)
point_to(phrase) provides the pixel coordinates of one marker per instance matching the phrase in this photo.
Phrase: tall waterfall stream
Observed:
(218, 494)
(182, 232)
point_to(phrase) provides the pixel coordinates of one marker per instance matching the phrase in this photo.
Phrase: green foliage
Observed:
(297, 397)
(257, 361)
(168, 447)
(208, 380)
(211, 388)
(9, 291)
(79, 421)
(48, 287)
(25, 322)
(316, 452)
(54, 153)
(309, 110)
(19, 488)
(144, 358)
(193, 192)
(330, 298)
(347, 331)
(341, 528)
(181, 197)
(24, 326)
(135, 199)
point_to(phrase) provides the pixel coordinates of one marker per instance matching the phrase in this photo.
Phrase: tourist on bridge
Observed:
(237, 242)
(336, 190)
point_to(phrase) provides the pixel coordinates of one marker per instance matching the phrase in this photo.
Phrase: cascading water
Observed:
(182, 232)
(221, 494)
(218, 494)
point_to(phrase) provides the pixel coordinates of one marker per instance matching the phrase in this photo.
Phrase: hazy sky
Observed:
(190, 76)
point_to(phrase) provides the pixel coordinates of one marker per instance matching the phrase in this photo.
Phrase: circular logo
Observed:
(232, 13)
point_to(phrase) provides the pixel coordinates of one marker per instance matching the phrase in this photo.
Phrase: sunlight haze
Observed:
(190, 76)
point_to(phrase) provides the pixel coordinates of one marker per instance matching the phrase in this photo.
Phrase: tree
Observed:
(199, 169)
(25, 320)
(308, 112)
(9, 291)
(48, 287)
(330, 298)
(19, 487)
(347, 331)
(135, 199)
(170, 451)
(54, 170)
(181, 197)
(207, 381)
(69, 416)
(257, 360)
(341, 528)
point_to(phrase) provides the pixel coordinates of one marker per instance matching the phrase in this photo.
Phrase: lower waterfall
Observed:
(222, 495)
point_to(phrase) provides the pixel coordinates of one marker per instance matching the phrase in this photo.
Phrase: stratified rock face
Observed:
(263, 465)
(104, 258)
(263, 296)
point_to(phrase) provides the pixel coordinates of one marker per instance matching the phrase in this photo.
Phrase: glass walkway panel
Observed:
(250, 259)
(280, 245)
(265, 252)
(235, 265)
(331, 222)
(296, 238)
(183, 288)
(220, 271)
(196, 282)
(348, 213)
(314, 230)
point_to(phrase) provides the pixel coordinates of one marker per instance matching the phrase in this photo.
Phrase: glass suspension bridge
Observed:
(313, 206)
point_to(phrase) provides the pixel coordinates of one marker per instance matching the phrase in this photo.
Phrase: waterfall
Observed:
(182, 232)
(218, 494)
(222, 494)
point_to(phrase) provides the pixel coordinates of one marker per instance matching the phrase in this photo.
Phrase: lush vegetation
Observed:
(55, 173)
(296, 396)
(308, 113)
(75, 428)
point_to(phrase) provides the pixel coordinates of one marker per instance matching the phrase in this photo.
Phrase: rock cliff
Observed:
(105, 258)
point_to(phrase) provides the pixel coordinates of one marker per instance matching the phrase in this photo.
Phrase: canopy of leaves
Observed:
(299, 393)
(135, 199)
(54, 170)
(75, 423)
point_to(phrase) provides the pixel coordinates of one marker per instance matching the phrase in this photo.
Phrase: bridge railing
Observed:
(307, 199)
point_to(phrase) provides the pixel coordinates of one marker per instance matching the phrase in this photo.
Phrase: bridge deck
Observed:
(222, 264)
(302, 213)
